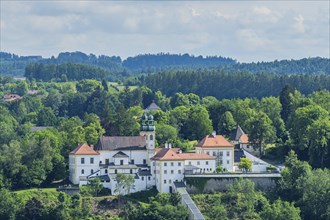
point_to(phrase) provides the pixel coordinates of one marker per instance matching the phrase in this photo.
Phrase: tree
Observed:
(198, 123)
(8, 205)
(245, 164)
(95, 186)
(261, 130)
(226, 124)
(165, 133)
(22, 87)
(219, 169)
(315, 200)
(46, 117)
(286, 102)
(318, 134)
(125, 183)
(281, 210)
(295, 170)
(272, 107)
(218, 212)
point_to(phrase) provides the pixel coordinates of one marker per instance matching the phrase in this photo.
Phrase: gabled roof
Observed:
(153, 106)
(120, 154)
(121, 143)
(166, 154)
(244, 139)
(236, 134)
(214, 142)
(84, 149)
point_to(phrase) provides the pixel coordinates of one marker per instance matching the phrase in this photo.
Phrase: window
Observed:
(165, 164)
(144, 161)
(214, 153)
(221, 154)
(82, 160)
(82, 171)
(165, 171)
(227, 161)
(142, 178)
(179, 164)
(172, 164)
(153, 163)
(221, 162)
(130, 171)
(189, 162)
(151, 137)
(208, 153)
(106, 171)
(92, 171)
(179, 171)
(172, 171)
(228, 153)
(107, 161)
(164, 181)
(198, 163)
(149, 178)
(206, 162)
(92, 160)
(121, 162)
(100, 162)
(170, 181)
(132, 161)
(115, 171)
(146, 136)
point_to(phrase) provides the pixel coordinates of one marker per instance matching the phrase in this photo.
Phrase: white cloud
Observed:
(299, 24)
(243, 30)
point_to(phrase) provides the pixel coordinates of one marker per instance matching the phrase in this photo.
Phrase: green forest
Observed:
(75, 103)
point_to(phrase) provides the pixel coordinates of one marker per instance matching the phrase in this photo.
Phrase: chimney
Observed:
(166, 145)
(214, 133)
(169, 145)
(91, 146)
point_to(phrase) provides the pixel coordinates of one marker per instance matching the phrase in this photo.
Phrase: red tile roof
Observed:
(84, 149)
(211, 141)
(244, 139)
(168, 154)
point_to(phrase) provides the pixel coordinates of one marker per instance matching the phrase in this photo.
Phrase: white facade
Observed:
(82, 166)
(224, 156)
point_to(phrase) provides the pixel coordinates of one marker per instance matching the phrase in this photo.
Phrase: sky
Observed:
(248, 31)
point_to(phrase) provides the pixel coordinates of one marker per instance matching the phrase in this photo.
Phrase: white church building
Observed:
(137, 156)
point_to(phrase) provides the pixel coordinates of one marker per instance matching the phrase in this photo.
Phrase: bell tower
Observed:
(148, 130)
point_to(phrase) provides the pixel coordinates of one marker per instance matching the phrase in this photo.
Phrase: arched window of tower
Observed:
(151, 137)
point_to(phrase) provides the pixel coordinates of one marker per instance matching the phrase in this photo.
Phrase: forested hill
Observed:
(302, 66)
(222, 84)
(11, 64)
(161, 61)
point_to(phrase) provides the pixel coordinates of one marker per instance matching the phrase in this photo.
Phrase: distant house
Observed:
(32, 92)
(241, 140)
(152, 107)
(39, 128)
(11, 97)
(217, 146)
(170, 165)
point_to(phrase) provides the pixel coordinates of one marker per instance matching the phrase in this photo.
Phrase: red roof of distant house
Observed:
(84, 149)
(11, 97)
(244, 139)
(165, 154)
(214, 142)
